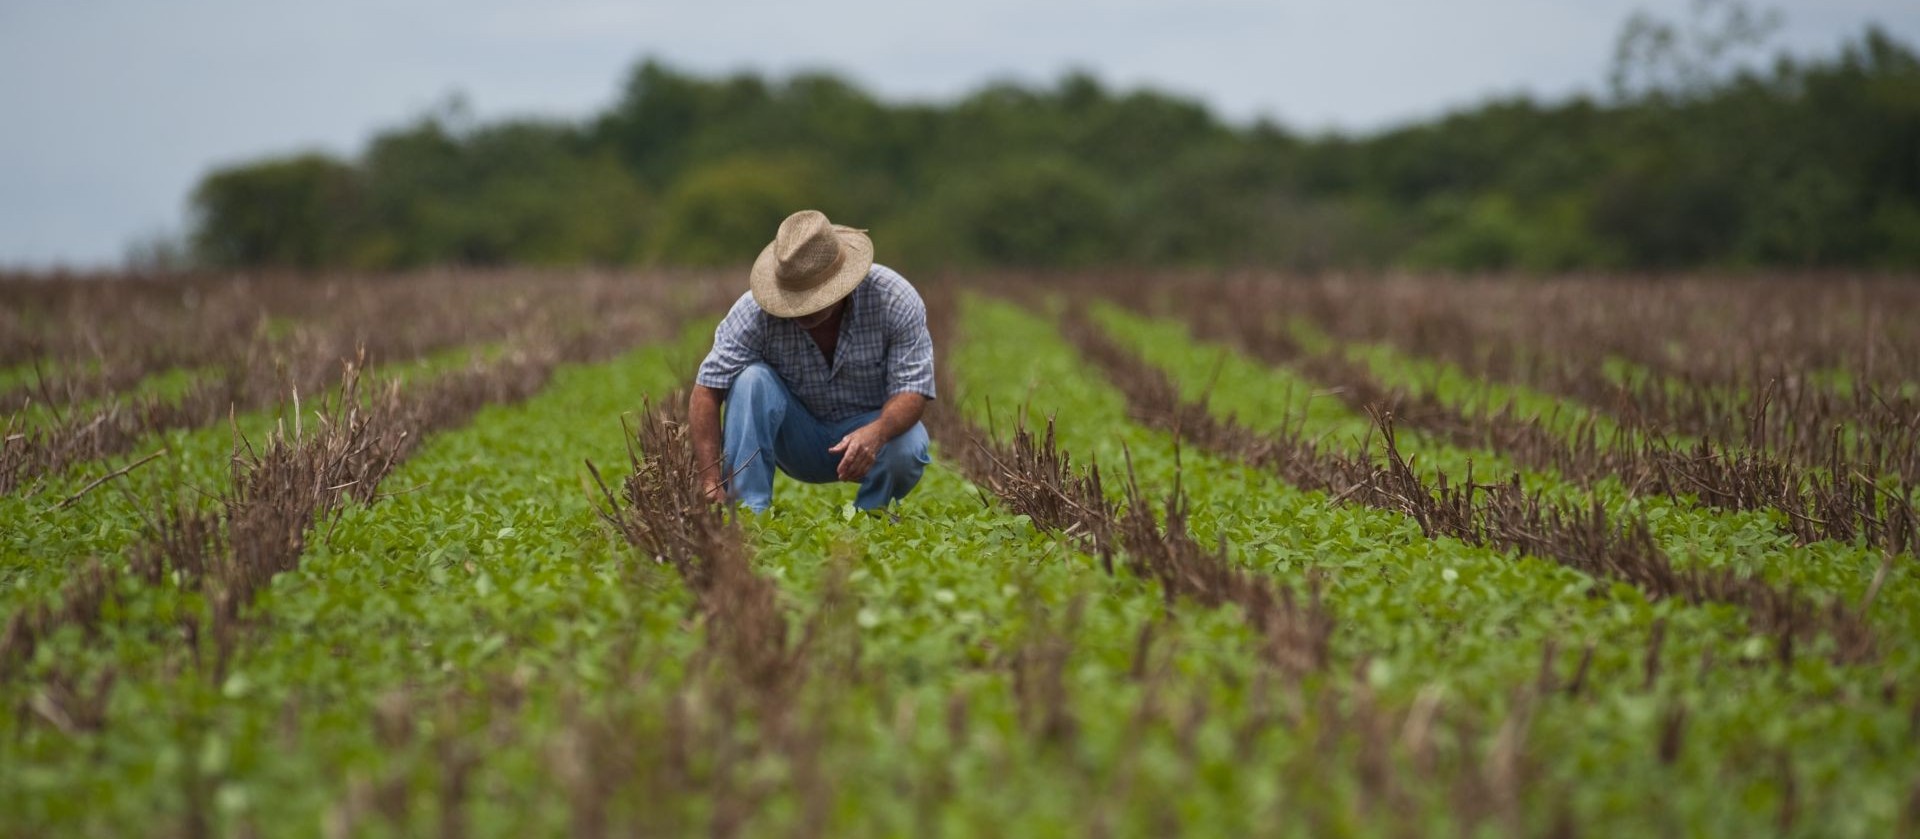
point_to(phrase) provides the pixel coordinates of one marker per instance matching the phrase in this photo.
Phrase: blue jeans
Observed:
(767, 427)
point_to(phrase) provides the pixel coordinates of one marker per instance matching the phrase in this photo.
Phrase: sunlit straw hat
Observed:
(810, 264)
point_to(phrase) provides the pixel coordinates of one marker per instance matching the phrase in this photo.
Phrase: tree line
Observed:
(1682, 164)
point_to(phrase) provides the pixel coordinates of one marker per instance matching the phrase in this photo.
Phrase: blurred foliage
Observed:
(719, 213)
(289, 212)
(1696, 159)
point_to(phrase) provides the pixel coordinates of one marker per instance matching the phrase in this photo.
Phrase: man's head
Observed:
(810, 265)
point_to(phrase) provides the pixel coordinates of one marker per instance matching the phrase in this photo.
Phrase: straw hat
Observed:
(810, 264)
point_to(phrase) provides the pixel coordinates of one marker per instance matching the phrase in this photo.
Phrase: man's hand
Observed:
(858, 450)
(714, 489)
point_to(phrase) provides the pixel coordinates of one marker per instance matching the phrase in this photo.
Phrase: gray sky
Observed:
(110, 110)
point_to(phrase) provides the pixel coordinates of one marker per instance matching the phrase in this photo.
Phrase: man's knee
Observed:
(759, 391)
(756, 403)
(755, 379)
(905, 455)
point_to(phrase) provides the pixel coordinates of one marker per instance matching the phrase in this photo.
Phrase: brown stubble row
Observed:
(1733, 363)
(1390, 749)
(663, 513)
(743, 699)
(289, 486)
(1032, 476)
(1832, 499)
(632, 766)
(1504, 516)
(752, 668)
(743, 703)
(287, 491)
(379, 322)
(128, 328)
(118, 331)
(284, 489)
(1695, 329)
(655, 753)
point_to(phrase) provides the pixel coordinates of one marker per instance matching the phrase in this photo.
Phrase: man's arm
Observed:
(859, 449)
(909, 381)
(736, 343)
(703, 421)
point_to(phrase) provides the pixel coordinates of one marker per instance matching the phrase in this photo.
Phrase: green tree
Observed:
(286, 213)
(1028, 212)
(517, 192)
(1700, 158)
(724, 213)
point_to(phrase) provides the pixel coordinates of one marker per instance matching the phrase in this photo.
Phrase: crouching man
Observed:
(824, 367)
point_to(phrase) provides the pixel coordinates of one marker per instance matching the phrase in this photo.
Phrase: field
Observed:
(1236, 555)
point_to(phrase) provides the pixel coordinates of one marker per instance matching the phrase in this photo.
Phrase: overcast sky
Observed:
(110, 110)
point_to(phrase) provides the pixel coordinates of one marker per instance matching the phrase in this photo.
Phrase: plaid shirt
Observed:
(883, 349)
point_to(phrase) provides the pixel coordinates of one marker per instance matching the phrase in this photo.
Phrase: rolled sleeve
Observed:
(736, 344)
(909, 345)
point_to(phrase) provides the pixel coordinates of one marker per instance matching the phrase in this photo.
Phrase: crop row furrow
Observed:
(257, 367)
(525, 665)
(1034, 477)
(1833, 500)
(96, 339)
(954, 637)
(1208, 595)
(662, 512)
(1423, 614)
(1506, 515)
(1774, 407)
(1760, 543)
(280, 490)
(90, 340)
(698, 741)
(346, 625)
(100, 507)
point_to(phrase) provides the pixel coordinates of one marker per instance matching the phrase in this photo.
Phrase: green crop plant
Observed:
(480, 651)
(1474, 623)
(28, 374)
(484, 554)
(70, 517)
(1750, 541)
(950, 601)
(169, 384)
(1457, 387)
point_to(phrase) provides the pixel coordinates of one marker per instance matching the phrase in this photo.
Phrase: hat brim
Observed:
(782, 303)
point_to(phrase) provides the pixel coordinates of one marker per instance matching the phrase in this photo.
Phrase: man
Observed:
(824, 366)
